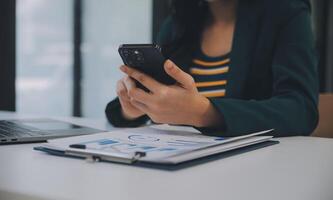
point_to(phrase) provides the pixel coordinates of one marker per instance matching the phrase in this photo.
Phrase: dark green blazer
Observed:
(272, 82)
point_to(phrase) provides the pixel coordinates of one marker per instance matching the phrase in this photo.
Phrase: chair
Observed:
(325, 126)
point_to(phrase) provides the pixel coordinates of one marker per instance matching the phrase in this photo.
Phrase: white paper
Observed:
(156, 141)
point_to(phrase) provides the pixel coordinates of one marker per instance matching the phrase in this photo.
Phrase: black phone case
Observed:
(146, 58)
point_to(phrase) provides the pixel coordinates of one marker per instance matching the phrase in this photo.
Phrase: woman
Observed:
(240, 65)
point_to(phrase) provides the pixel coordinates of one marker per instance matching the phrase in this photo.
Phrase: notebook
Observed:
(157, 144)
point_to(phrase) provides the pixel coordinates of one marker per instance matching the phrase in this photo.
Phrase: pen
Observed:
(78, 146)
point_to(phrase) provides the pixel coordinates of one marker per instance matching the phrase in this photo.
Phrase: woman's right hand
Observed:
(129, 111)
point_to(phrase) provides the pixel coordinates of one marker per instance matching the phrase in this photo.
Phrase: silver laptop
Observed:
(38, 130)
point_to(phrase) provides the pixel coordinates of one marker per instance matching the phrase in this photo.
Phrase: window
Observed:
(106, 25)
(44, 57)
(45, 29)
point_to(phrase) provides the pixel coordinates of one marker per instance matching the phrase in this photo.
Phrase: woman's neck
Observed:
(223, 11)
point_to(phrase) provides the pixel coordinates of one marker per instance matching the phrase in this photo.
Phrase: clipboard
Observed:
(73, 147)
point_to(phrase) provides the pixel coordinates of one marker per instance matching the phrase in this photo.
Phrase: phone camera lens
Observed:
(138, 56)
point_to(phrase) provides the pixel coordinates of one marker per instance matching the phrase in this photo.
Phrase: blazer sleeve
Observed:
(292, 109)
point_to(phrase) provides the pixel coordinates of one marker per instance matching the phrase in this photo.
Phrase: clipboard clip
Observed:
(93, 159)
(92, 156)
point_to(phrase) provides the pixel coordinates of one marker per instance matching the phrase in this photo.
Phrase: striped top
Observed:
(210, 74)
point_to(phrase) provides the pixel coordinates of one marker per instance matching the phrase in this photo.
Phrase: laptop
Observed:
(39, 130)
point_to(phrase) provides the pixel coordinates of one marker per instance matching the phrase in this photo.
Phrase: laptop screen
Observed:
(51, 125)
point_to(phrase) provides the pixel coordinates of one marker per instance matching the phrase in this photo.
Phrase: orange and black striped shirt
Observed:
(210, 74)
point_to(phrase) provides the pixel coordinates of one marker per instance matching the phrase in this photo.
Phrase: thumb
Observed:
(179, 75)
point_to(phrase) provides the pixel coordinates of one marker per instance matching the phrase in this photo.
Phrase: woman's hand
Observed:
(129, 111)
(179, 104)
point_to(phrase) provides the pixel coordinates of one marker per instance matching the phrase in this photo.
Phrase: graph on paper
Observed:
(153, 143)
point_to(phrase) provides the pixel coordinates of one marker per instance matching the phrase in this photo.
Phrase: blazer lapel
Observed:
(242, 48)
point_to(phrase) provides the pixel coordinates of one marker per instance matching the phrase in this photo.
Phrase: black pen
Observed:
(78, 146)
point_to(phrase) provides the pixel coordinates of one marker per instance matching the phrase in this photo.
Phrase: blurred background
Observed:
(59, 57)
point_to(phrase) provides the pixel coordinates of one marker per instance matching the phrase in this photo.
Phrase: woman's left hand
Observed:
(179, 104)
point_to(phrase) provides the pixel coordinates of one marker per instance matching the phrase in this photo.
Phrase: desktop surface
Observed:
(297, 168)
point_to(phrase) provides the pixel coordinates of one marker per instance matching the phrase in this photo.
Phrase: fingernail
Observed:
(123, 68)
(169, 64)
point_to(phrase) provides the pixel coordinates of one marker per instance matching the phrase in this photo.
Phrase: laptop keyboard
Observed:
(12, 130)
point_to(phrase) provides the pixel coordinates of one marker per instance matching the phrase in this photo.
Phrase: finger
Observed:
(142, 107)
(123, 94)
(144, 79)
(125, 103)
(129, 83)
(179, 75)
(141, 96)
(135, 92)
(122, 91)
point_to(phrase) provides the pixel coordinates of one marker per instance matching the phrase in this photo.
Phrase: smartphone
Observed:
(146, 58)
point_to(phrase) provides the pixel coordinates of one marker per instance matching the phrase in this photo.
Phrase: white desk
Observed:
(299, 168)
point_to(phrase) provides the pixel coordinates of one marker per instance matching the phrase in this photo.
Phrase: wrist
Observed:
(206, 115)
